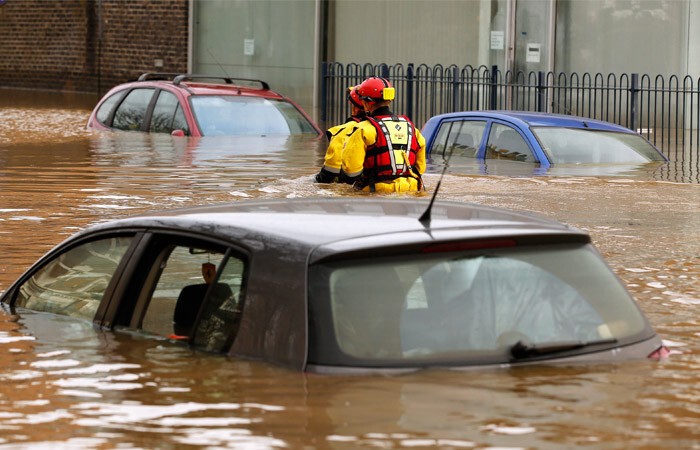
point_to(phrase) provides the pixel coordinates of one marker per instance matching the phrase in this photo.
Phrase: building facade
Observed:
(89, 45)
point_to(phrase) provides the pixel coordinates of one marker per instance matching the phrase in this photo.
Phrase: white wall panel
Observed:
(410, 31)
(283, 32)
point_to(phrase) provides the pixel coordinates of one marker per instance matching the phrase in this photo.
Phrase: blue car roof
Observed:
(535, 119)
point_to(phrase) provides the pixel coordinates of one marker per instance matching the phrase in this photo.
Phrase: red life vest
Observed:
(394, 153)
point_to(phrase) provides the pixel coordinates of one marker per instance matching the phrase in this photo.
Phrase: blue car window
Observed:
(571, 145)
(73, 283)
(459, 138)
(506, 143)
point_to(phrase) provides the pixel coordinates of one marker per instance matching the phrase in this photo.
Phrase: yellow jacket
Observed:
(353, 158)
(337, 136)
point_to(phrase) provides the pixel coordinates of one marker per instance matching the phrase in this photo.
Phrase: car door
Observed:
(186, 288)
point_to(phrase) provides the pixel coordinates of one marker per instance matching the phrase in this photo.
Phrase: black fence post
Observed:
(634, 90)
(455, 89)
(540, 92)
(494, 87)
(384, 71)
(409, 90)
(324, 99)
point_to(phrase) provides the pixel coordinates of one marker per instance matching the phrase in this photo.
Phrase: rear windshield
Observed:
(236, 115)
(572, 145)
(466, 307)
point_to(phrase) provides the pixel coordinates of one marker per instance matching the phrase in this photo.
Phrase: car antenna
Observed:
(218, 63)
(426, 216)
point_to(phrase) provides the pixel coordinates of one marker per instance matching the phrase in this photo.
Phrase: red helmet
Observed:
(354, 97)
(375, 89)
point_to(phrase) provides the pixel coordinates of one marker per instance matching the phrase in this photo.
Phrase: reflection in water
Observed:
(66, 384)
(684, 170)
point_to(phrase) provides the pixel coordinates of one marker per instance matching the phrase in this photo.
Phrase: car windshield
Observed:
(229, 115)
(461, 308)
(573, 145)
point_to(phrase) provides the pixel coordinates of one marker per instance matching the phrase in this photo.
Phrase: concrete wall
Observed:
(89, 45)
(429, 32)
(280, 37)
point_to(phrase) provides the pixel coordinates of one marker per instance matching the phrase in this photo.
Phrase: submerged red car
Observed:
(200, 105)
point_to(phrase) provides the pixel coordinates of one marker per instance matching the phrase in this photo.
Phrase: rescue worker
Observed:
(337, 135)
(386, 153)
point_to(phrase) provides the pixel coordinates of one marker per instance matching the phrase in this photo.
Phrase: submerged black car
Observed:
(347, 285)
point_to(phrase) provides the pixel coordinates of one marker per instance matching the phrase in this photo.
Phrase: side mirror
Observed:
(178, 133)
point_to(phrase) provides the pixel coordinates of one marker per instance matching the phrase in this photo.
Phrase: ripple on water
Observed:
(103, 390)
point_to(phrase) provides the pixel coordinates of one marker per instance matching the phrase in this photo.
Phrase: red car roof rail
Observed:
(158, 76)
(178, 78)
(229, 80)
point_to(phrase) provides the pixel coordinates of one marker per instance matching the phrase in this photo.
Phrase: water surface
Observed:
(67, 385)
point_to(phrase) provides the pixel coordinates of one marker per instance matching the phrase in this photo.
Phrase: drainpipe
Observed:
(99, 47)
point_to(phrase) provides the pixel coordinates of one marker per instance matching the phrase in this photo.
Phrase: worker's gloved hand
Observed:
(326, 176)
(343, 178)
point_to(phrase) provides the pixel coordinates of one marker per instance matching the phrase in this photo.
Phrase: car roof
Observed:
(345, 224)
(539, 119)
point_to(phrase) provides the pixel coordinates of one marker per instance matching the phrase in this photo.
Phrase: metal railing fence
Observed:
(666, 110)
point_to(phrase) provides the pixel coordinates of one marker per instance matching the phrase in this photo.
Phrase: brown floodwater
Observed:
(65, 385)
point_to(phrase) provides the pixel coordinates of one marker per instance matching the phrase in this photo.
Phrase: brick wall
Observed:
(89, 45)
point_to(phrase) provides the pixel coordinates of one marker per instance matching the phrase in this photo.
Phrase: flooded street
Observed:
(66, 385)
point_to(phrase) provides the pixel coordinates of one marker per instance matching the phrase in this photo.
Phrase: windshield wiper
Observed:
(524, 350)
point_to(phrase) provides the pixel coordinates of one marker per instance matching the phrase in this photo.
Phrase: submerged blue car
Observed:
(537, 138)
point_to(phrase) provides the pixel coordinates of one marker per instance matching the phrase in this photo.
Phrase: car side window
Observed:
(460, 138)
(167, 114)
(179, 121)
(506, 143)
(130, 113)
(190, 279)
(74, 282)
(465, 137)
(107, 106)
